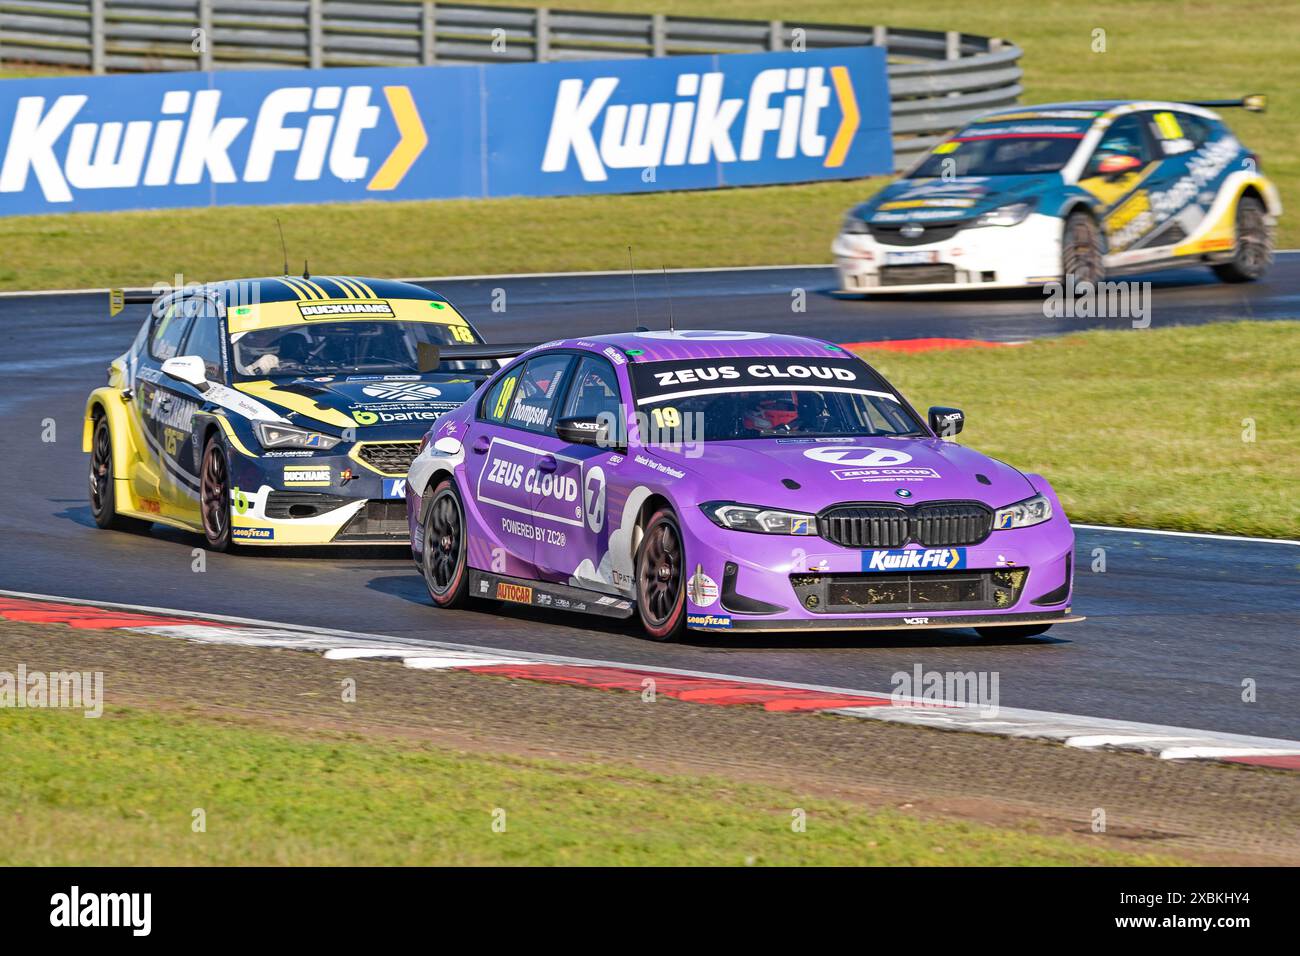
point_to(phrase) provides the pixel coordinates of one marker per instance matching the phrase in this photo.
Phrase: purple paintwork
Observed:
(542, 509)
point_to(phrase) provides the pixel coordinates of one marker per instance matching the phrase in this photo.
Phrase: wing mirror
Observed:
(189, 369)
(584, 430)
(1116, 166)
(946, 422)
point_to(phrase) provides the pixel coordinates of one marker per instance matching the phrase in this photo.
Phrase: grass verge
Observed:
(121, 790)
(1153, 48)
(1147, 428)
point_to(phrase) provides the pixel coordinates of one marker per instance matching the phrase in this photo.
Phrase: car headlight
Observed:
(1012, 214)
(272, 435)
(734, 517)
(854, 226)
(1022, 514)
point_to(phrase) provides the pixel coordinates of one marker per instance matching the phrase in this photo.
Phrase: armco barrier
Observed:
(938, 80)
(156, 140)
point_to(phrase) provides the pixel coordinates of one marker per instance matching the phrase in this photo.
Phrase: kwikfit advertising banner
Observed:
(235, 138)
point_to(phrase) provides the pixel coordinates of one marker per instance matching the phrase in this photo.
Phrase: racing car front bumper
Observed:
(985, 257)
(739, 580)
(317, 499)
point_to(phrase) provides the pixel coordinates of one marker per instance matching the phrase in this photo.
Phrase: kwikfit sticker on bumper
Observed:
(915, 559)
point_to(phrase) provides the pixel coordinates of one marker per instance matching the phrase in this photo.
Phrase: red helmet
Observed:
(769, 414)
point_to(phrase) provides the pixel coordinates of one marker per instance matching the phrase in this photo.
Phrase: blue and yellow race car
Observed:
(277, 411)
(1037, 194)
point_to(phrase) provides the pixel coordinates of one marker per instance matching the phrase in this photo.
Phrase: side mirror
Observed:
(189, 369)
(946, 422)
(583, 430)
(1116, 166)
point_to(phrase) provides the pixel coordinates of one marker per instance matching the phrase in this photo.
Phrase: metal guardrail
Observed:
(937, 80)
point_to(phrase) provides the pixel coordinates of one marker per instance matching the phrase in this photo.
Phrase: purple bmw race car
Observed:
(729, 481)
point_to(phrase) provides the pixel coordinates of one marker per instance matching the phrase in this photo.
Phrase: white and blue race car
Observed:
(1032, 195)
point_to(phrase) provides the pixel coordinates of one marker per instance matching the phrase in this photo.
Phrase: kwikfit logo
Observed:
(783, 109)
(318, 127)
(918, 559)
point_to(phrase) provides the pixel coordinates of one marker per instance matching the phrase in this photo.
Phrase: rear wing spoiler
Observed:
(1254, 103)
(431, 355)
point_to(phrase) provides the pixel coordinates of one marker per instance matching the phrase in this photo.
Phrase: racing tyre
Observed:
(1013, 631)
(661, 578)
(214, 496)
(443, 556)
(1082, 249)
(103, 492)
(1253, 254)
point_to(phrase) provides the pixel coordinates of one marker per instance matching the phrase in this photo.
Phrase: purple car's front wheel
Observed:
(660, 580)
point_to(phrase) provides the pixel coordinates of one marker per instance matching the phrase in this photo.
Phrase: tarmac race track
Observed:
(1175, 624)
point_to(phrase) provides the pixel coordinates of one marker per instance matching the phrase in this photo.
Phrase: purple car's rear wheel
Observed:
(442, 556)
(660, 578)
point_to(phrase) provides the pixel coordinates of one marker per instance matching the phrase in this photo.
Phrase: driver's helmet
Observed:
(1119, 144)
(768, 414)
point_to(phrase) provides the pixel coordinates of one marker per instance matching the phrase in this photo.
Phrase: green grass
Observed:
(1156, 48)
(1136, 427)
(121, 790)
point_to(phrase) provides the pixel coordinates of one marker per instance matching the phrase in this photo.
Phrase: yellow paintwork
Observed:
(265, 390)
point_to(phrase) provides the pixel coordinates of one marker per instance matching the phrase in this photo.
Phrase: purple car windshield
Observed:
(733, 399)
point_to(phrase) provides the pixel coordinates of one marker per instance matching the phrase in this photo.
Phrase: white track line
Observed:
(1186, 534)
(1070, 729)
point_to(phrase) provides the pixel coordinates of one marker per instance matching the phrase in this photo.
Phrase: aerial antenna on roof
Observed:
(305, 273)
(283, 248)
(630, 268)
(669, 291)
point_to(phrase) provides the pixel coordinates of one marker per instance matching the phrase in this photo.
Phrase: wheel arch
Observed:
(107, 403)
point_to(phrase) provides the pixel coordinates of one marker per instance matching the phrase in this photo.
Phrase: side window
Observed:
(205, 341)
(594, 390)
(1198, 129)
(169, 332)
(497, 401)
(536, 398)
(1125, 137)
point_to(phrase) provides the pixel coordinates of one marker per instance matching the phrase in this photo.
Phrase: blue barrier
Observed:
(232, 138)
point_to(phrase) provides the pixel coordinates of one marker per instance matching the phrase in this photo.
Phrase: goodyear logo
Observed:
(255, 534)
(783, 112)
(915, 559)
(709, 622)
(185, 137)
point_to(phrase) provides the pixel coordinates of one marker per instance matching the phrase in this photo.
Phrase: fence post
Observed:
(205, 35)
(315, 36)
(774, 37)
(952, 45)
(880, 36)
(658, 35)
(428, 34)
(543, 47)
(96, 36)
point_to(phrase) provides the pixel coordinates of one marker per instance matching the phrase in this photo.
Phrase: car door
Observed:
(1179, 200)
(577, 494)
(153, 404)
(505, 465)
(170, 414)
(1117, 174)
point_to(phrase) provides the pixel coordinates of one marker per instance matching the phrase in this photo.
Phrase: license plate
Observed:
(911, 258)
